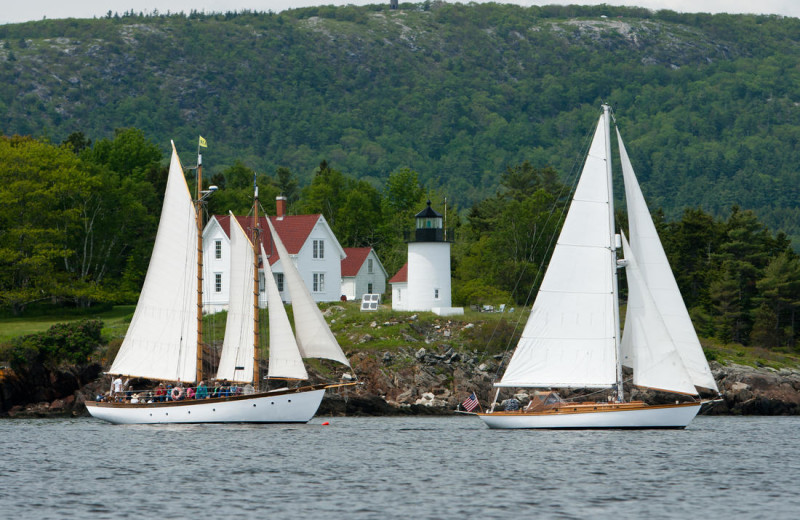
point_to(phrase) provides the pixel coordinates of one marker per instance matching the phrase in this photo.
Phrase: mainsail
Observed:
(569, 340)
(236, 359)
(314, 337)
(161, 342)
(658, 277)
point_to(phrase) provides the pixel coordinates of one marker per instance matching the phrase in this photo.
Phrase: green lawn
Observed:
(115, 322)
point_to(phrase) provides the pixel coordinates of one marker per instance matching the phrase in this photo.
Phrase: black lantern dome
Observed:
(429, 225)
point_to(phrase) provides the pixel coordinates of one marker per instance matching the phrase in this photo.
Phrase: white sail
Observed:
(660, 281)
(647, 345)
(161, 342)
(569, 340)
(236, 359)
(284, 356)
(314, 337)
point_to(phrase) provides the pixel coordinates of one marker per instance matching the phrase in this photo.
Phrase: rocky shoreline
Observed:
(428, 380)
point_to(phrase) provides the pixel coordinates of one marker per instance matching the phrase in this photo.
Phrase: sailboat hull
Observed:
(292, 406)
(673, 416)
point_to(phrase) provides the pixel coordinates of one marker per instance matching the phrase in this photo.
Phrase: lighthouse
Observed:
(423, 284)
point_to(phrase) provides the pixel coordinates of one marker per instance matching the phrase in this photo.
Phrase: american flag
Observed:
(470, 403)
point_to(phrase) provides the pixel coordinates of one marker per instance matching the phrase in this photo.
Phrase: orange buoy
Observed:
(326, 423)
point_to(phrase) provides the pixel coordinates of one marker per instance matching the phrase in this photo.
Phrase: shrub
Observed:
(62, 343)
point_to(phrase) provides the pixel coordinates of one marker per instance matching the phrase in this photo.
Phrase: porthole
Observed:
(254, 405)
(290, 400)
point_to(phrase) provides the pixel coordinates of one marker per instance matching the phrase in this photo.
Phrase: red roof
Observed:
(293, 230)
(356, 256)
(401, 276)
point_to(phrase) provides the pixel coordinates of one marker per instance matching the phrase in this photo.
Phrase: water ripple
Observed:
(420, 468)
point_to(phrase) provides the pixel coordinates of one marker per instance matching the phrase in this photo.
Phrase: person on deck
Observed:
(160, 393)
(190, 393)
(116, 387)
(202, 391)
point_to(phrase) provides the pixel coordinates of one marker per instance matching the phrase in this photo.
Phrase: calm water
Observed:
(720, 467)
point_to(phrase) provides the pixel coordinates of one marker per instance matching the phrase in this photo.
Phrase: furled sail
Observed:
(236, 359)
(659, 279)
(284, 356)
(161, 342)
(314, 337)
(569, 340)
(647, 346)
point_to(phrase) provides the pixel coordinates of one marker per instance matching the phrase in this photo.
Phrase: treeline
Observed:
(77, 223)
(710, 103)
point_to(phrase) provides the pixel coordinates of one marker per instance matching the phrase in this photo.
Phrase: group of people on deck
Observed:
(168, 392)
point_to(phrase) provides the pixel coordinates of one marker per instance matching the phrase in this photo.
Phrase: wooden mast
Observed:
(256, 248)
(199, 218)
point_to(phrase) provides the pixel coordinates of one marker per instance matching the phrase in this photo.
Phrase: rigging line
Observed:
(564, 204)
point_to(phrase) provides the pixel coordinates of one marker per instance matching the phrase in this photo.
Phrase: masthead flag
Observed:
(203, 142)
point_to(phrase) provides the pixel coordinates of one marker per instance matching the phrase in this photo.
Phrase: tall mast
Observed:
(256, 248)
(199, 218)
(607, 128)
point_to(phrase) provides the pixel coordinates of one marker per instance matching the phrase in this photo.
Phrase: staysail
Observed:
(236, 359)
(161, 342)
(659, 279)
(314, 337)
(570, 339)
(284, 356)
(647, 346)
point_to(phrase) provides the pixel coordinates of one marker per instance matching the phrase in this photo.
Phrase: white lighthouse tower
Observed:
(423, 284)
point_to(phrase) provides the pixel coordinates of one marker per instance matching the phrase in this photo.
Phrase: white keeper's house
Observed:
(362, 273)
(309, 240)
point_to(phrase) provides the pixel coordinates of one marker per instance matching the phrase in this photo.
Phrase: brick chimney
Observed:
(280, 206)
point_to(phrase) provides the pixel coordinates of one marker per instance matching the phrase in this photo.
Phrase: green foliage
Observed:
(71, 343)
(437, 99)
(38, 183)
(454, 92)
(511, 235)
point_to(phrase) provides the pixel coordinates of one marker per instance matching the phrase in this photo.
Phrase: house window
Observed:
(319, 249)
(217, 249)
(279, 281)
(369, 288)
(399, 295)
(261, 282)
(319, 282)
(369, 266)
(217, 282)
(436, 294)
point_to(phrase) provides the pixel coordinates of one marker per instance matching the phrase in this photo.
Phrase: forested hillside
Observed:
(362, 114)
(708, 104)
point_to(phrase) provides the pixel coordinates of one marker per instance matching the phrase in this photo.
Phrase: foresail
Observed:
(314, 337)
(284, 355)
(236, 359)
(647, 346)
(569, 340)
(161, 342)
(657, 275)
